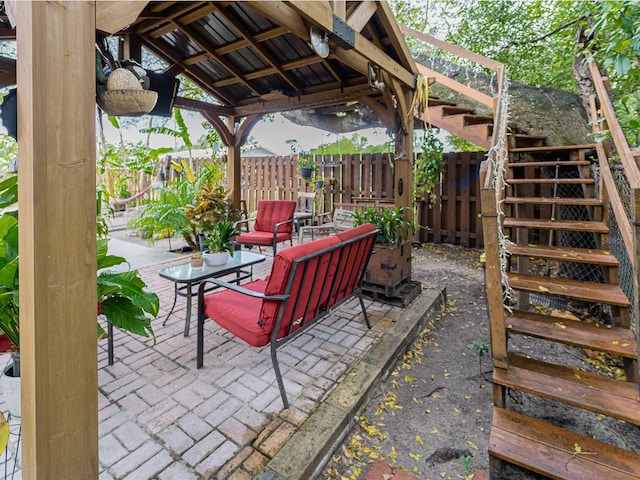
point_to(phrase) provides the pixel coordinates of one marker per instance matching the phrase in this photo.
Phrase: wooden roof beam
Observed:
(199, 106)
(186, 19)
(395, 35)
(312, 100)
(233, 20)
(167, 53)
(318, 15)
(361, 16)
(203, 44)
(283, 15)
(177, 11)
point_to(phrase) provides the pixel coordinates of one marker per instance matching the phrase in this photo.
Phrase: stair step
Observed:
(606, 293)
(524, 140)
(586, 390)
(571, 225)
(585, 202)
(564, 254)
(547, 181)
(550, 450)
(435, 102)
(468, 119)
(454, 110)
(577, 163)
(618, 341)
(558, 148)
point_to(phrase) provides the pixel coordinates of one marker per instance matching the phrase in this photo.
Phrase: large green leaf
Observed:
(122, 313)
(129, 285)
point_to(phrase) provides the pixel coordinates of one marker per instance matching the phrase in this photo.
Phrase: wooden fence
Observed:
(453, 218)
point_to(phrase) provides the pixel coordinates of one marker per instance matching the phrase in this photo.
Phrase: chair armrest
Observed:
(246, 220)
(279, 224)
(237, 288)
(322, 216)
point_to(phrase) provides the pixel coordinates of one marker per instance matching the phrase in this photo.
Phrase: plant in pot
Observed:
(211, 205)
(196, 260)
(390, 264)
(122, 297)
(307, 165)
(219, 243)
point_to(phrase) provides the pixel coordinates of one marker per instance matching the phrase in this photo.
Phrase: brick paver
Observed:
(161, 418)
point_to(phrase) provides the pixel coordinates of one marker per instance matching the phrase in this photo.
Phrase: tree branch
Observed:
(546, 35)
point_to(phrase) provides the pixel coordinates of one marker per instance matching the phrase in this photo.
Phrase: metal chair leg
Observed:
(276, 368)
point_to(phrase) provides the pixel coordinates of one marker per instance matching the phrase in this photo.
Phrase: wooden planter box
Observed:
(389, 265)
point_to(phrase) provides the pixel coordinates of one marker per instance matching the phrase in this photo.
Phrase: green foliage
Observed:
(394, 227)
(182, 131)
(220, 239)
(166, 213)
(122, 295)
(536, 40)
(428, 167)
(307, 160)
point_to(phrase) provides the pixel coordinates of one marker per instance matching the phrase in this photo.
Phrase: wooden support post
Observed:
(234, 164)
(403, 183)
(57, 198)
(493, 276)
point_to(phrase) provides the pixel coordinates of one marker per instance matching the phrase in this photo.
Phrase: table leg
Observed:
(187, 321)
(175, 298)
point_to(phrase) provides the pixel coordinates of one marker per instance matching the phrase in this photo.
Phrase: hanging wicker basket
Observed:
(127, 103)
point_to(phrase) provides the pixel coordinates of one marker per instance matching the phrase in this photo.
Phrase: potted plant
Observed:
(390, 263)
(196, 260)
(319, 182)
(210, 206)
(307, 165)
(219, 243)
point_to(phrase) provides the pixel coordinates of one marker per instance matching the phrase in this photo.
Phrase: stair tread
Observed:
(437, 101)
(606, 293)
(549, 450)
(573, 225)
(448, 111)
(562, 181)
(585, 390)
(564, 254)
(586, 202)
(572, 163)
(615, 340)
(556, 148)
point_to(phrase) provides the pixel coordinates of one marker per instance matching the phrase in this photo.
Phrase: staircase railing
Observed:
(491, 181)
(626, 211)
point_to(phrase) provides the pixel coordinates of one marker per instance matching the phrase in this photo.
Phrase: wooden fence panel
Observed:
(453, 218)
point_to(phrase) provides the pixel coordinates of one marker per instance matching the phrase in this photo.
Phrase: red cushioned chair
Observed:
(306, 282)
(273, 224)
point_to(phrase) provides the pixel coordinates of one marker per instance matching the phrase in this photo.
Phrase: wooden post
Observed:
(493, 275)
(57, 168)
(403, 185)
(234, 164)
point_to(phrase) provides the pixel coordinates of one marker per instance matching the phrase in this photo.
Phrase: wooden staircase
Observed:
(553, 218)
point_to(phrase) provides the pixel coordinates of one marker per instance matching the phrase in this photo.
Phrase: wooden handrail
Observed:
(619, 140)
(455, 49)
(457, 86)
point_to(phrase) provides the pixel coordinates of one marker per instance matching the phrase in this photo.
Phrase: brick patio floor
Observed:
(160, 417)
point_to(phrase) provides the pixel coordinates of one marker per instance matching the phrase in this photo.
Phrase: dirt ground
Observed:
(432, 416)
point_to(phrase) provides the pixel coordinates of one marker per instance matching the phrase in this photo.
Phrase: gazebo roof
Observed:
(255, 58)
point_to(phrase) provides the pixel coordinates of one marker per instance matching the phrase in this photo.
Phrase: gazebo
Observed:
(252, 58)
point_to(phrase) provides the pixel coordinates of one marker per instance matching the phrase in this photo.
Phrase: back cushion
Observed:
(271, 212)
(352, 261)
(307, 286)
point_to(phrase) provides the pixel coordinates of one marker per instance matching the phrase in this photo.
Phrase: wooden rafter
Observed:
(283, 15)
(203, 43)
(361, 15)
(315, 13)
(260, 49)
(320, 99)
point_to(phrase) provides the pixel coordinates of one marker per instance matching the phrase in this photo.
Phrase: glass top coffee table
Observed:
(185, 277)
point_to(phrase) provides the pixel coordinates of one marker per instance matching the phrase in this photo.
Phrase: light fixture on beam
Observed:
(319, 41)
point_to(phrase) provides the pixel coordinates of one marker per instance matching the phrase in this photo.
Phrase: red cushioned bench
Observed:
(305, 283)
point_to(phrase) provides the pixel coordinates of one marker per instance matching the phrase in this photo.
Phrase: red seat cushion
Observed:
(262, 238)
(352, 261)
(346, 235)
(238, 313)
